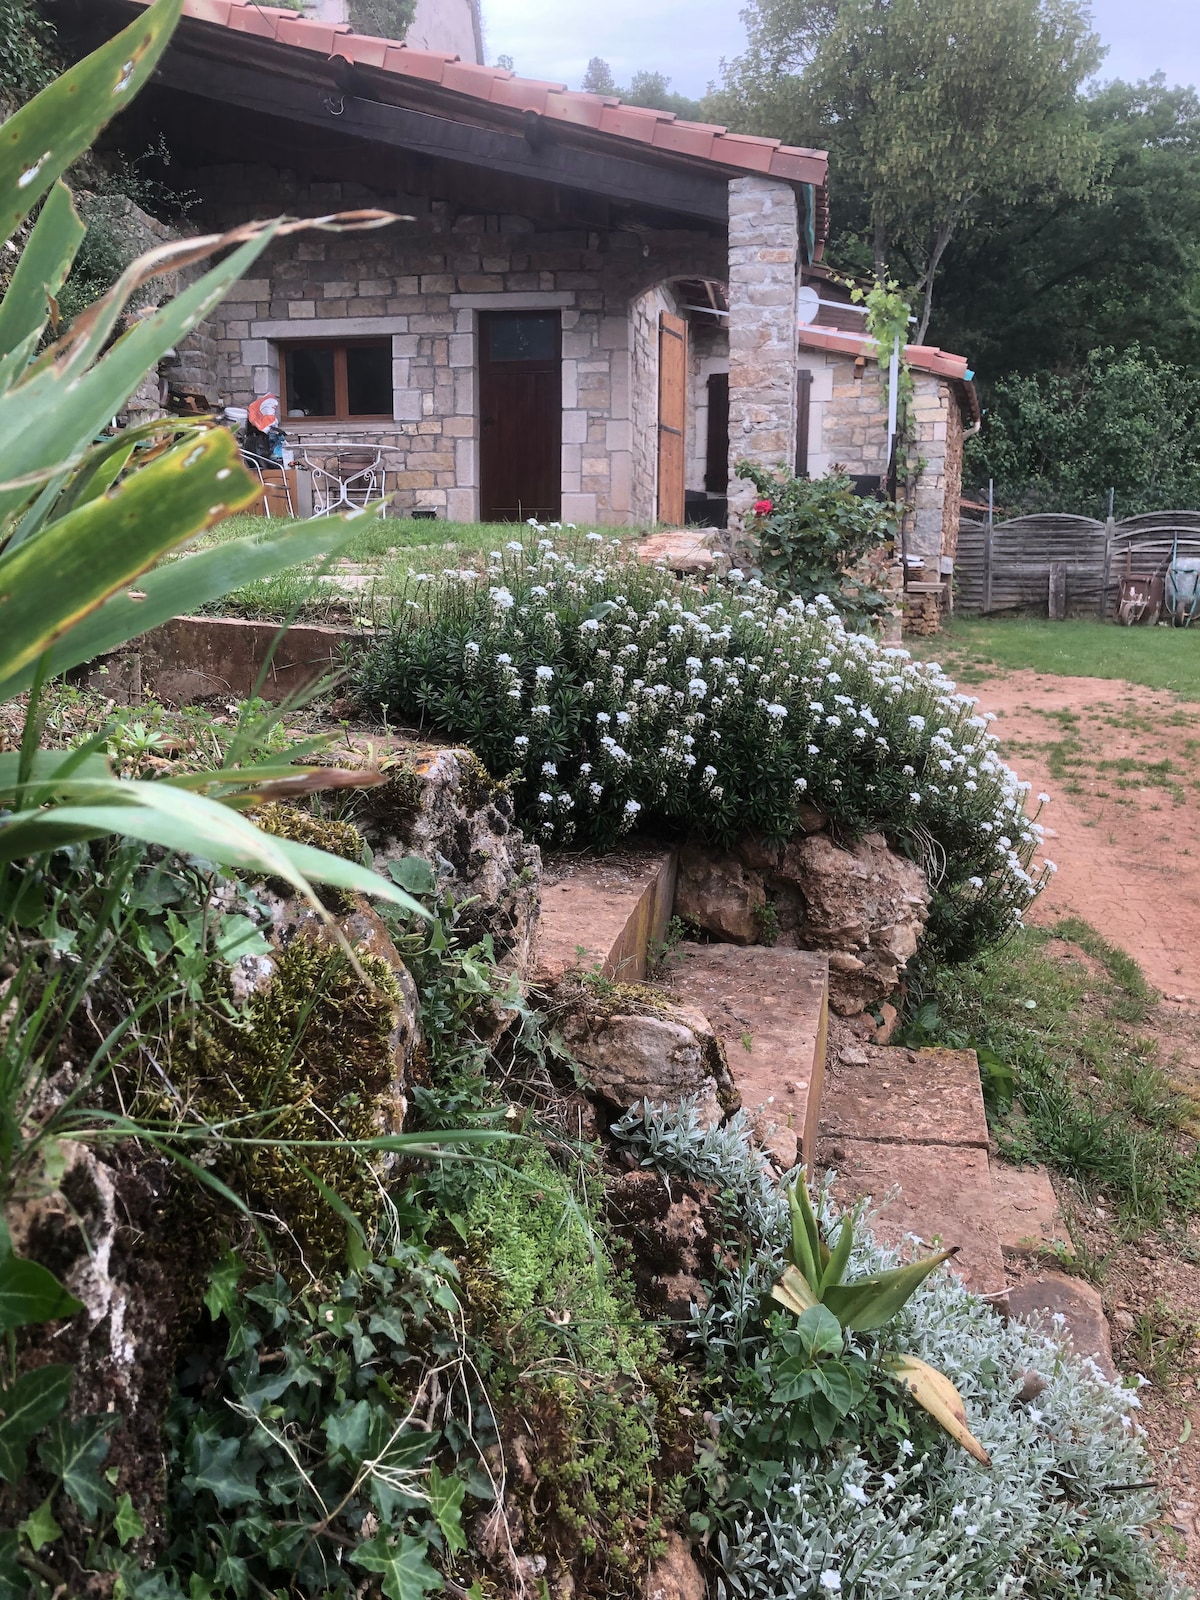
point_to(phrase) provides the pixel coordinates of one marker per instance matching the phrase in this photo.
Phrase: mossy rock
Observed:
(312, 1056)
(335, 837)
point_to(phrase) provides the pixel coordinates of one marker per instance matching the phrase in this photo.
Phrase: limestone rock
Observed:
(720, 894)
(866, 905)
(636, 1046)
(441, 804)
(675, 1575)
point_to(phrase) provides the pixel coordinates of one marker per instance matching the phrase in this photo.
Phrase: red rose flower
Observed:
(763, 508)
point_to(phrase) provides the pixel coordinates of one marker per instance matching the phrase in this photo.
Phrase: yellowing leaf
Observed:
(933, 1391)
(794, 1291)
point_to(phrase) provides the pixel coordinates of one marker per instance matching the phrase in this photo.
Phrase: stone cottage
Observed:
(584, 301)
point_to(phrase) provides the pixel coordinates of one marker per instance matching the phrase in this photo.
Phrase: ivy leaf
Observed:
(127, 1524)
(445, 1501)
(14, 1579)
(405, 1573)
(218, 1472)
(75, 1452)
(221, 1294)
(28, 1293)
(26, 1406)
(347, 1431)
(40, 1528)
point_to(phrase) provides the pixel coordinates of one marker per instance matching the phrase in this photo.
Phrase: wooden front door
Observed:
(520, 416)
(672, 417)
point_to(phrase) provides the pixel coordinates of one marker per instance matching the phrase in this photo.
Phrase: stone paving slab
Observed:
(908, 1096)
(603, 912)
(1028, 1220)
(769, 1008)
(945, 1196)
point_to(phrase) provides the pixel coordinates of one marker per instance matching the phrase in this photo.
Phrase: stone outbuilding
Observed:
(587, 313)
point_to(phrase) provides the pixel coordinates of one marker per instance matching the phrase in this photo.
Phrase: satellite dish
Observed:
(808, 303)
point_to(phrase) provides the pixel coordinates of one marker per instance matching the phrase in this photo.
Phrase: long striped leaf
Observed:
(178, 587)
(191, 824)
(41, 140)
(48, 585)
(40, 273)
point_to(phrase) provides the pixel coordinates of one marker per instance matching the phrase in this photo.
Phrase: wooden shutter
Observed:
(672, 417)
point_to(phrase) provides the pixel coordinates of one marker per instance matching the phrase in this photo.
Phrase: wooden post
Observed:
(986, 606)
(1057, 608)
(1110, 529)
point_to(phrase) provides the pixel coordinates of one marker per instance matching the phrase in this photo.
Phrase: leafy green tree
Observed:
(1127, 421)
(645, 89)
(598, 79)
(930, 108)
(1041, 285)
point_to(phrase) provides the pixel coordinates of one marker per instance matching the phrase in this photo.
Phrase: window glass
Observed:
(523, 338)
(310, 388)
(369, 379)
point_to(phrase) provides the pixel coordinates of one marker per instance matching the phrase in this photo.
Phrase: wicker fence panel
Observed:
(1007, 568)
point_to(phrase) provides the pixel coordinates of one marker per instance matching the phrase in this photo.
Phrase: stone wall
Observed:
(764, 244)
(423, 283)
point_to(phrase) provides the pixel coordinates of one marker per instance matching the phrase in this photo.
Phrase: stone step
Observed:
(603, 913)
(908, 1129)
(769, 1007)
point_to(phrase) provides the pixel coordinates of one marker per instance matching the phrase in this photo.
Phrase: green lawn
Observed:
(1160, 658)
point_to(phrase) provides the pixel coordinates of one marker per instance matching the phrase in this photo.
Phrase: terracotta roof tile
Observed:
(212, 11)
(584, 110)
(464, 77)
(496, 87)
(366, 52)
(522, 94)
(688, 138)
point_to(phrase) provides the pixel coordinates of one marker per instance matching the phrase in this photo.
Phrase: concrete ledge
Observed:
(195, 658)
(945, 1196)
(603, 912)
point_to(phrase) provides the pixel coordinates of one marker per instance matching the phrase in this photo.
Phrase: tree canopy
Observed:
(645, 89)
(932, 110)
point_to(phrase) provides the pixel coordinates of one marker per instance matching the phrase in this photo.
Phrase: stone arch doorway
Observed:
(679, 400)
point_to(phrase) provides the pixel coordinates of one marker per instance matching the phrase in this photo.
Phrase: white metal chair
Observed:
(345, 477)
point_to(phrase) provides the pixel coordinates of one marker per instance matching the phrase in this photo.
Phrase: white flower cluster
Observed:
(718, 710)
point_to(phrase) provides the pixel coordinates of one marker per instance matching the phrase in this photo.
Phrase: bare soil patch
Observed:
(1122, 765)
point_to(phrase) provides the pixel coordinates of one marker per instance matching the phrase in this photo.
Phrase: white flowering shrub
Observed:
(619, 697)
(1063, 1511)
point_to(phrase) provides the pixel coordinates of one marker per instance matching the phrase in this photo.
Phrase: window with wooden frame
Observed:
(337, 380)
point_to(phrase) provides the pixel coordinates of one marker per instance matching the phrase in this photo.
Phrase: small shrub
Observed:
(901, 1511)
(812, 534)
(616, 697)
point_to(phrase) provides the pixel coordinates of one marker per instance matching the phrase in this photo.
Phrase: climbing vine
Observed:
(888, 314)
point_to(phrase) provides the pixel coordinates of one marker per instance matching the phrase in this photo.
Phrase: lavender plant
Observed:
(616, 696)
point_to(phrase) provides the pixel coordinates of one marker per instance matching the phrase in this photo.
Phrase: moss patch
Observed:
(309, 1058)
(579, 1379)
(322, 833)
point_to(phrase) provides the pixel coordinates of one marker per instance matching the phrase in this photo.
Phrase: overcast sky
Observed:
(687, 38)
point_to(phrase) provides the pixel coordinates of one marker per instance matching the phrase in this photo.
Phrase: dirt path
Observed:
(1122, 765)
